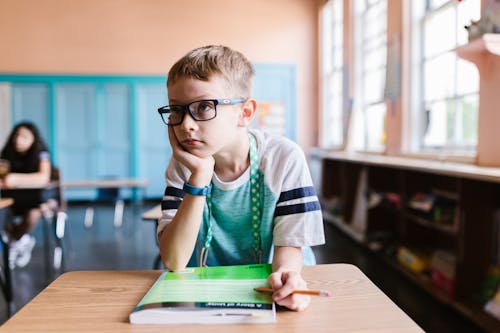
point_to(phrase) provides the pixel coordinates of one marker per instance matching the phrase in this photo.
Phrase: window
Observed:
(370, 61)
(332, 118)
(444, 87)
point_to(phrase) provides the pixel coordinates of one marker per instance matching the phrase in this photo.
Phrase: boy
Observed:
(233, 196)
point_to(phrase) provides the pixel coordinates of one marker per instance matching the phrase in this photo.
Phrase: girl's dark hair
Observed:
(28, 161)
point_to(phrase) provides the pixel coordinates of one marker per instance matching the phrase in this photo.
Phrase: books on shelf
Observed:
(438, 207)
(208, 295)
(443, 269)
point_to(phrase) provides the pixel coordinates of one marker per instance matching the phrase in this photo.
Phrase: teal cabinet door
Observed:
(154, 149)
(76, 111)
(31, 102)
(93, 133)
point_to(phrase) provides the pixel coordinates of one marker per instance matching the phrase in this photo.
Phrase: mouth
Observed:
(191, 142)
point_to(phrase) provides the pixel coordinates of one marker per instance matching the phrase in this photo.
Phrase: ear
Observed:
(247, 113)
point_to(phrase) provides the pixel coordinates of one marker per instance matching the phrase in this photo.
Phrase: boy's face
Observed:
(205, 138)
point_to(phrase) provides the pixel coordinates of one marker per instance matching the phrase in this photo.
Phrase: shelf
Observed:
(488, 43)
(468, 171)
(346, 228)
(468, 195)
(468, 309)
(449, 229)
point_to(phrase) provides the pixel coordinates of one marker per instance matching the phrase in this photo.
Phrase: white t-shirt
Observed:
(291, 213)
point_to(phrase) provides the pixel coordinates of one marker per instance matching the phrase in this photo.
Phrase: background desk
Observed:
(153, 215)
(100, 301)
(5, 202)
(117, 183)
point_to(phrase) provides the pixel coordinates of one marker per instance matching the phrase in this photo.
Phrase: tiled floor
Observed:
(132, 247)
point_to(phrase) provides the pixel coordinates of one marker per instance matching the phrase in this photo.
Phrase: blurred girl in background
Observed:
(29, 160)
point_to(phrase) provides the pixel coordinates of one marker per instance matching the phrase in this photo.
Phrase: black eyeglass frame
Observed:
(165, 110)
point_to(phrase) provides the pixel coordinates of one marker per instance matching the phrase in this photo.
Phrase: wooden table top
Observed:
(154, 214)
(105, 183)
(101, 301)
(6, 202)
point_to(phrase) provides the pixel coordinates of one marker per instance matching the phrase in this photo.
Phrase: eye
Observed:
(205, 106)
(176, 109)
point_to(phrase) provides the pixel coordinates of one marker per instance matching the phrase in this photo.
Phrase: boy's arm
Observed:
(177, 240)
(287, 264)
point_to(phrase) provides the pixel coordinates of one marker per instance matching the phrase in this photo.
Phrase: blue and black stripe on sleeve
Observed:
(297, 193)
(169, 203)
(297, 208)
(174, 192)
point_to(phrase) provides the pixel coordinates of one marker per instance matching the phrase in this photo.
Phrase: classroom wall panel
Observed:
(30, 102)
(275, 92)
(155, 151)
(76, 113)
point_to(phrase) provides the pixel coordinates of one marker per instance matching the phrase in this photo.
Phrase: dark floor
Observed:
(133, 247)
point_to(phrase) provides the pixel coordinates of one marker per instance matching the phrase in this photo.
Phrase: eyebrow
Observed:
(199, 98)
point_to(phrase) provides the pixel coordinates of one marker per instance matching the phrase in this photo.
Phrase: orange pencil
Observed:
(323, 293)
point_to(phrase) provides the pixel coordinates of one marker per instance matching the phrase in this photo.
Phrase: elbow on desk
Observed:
(172, 262)
(174, 265)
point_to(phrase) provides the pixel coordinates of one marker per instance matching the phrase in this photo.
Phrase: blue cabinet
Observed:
(108, 126)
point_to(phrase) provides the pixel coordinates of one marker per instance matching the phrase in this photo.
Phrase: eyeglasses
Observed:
(202, 110)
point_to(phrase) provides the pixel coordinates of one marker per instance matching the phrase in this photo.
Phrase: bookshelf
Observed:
(380, 189)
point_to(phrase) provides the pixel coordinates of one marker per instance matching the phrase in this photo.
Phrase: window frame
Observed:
(421, 14)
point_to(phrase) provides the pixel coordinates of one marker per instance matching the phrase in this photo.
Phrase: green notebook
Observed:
(204, 295)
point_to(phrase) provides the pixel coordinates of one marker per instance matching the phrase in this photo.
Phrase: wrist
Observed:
(200, 180)
(195, 190)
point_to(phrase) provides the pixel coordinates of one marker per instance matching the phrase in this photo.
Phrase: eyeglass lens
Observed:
(199, 110)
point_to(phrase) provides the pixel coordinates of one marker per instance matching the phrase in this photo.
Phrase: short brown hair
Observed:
(203, 62)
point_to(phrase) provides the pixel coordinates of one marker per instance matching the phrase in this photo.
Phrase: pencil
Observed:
(323, 293)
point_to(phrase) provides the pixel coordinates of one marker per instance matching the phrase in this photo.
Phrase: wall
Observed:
(4, 116)
(147, 36)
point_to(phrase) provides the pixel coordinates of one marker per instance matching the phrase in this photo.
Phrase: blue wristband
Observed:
(193, 190)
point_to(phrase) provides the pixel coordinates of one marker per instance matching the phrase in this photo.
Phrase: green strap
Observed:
(255, 207)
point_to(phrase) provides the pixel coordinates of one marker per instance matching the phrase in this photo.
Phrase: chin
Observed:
(201, 153)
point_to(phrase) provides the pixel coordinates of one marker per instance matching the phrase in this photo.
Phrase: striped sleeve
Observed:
(297, 216)
(296, 201)
(173, 194)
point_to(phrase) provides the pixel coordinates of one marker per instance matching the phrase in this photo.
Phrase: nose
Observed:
(188, 123)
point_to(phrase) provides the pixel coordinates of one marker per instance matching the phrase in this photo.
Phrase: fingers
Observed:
(176, 147)
(283, 284)
(274, 280)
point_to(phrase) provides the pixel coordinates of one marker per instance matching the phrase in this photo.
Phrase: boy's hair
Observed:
(203, 62)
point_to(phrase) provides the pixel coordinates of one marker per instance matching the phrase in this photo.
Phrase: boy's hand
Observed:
(283, 284)
(201, 168)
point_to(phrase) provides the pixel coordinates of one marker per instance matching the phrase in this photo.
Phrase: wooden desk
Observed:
(153, 215)
(101, 301)
(5, 202)
(105, 183)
